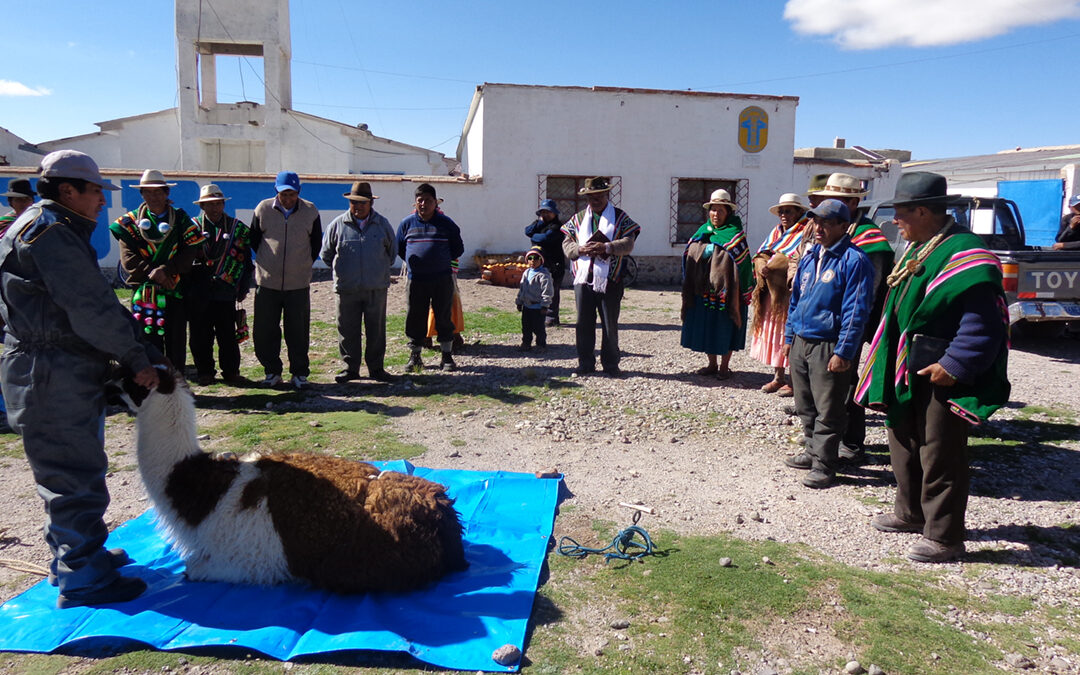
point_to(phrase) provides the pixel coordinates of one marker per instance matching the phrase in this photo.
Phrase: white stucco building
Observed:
(204, 134)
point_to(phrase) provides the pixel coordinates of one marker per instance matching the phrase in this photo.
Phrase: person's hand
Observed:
(147, 377)
(938, 375)
(1074, 222)
(1058, 246)
(787, 350)
(162, 278)
(838, 364)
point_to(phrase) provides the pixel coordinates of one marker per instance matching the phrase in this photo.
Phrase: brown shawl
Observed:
(717, 273)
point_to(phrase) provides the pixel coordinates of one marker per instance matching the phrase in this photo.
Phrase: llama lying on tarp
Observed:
(326, 521)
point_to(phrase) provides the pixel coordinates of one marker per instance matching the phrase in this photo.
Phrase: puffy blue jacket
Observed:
(831, 301)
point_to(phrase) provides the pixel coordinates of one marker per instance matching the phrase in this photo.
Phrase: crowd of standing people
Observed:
(822, 285)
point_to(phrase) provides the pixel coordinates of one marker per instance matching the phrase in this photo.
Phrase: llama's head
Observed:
(121, 389)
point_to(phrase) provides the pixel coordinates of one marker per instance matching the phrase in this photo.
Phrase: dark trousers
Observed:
(210, 320)
(855, 433)
(362, 313)
(272, 309)
(532, 323)
(556, 283)
(56, 402)
(820, 398)
(591, 304)
(928, 451)
(438, 294)
(173, 344)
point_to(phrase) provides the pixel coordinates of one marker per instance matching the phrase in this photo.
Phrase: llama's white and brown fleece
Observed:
(330, 522)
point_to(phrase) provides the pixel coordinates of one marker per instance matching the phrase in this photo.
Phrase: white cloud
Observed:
(12, 88)
(871, 24)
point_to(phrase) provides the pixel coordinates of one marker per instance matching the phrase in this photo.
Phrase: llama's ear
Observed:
(166, 377)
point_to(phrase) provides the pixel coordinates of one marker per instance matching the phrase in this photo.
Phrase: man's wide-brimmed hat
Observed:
(18, 187)
(360, 192)
(842, 185)
(151, 178)
(720, 196)
(210, 193)
(921, 188)
(73, 164)
(594, 185)
(817, 183)
(788, 199)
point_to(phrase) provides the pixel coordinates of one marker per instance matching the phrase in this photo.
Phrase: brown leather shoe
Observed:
(888, 522)
(785, 391)
(930, 551)
(771, 387)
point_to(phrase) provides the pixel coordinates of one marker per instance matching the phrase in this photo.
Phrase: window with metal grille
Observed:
(564, 190)
(688, 195)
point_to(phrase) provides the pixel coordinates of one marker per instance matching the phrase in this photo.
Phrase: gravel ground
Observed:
(706, 454)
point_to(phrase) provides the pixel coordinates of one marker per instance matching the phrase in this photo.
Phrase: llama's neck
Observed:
(165, 434)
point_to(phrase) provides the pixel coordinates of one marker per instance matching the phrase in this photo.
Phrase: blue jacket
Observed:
(429, 247)
(831, 302)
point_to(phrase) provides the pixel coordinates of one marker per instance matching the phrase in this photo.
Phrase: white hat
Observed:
(210, 193)
(152, 178)
(842, 185)
(720, 197)
(787, 199)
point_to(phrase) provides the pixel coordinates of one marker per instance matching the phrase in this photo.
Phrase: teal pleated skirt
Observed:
(712, 331)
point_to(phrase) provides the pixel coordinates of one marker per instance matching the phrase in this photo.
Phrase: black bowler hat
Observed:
(920, 188)
(18, 187)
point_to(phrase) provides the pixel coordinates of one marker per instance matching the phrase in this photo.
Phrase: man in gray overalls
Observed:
(64, 326)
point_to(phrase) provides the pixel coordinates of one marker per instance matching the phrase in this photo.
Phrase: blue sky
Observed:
(941, 78)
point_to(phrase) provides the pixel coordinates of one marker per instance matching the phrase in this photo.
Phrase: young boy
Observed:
(533, 299)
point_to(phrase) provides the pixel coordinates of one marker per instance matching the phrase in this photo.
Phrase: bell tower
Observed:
(242, 136)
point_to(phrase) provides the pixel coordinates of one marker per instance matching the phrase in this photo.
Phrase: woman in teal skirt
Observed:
(717, 276)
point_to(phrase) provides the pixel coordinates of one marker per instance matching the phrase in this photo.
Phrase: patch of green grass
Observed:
(458, 443)
(1057, 414)
(493, 321)
(351, 434)
(712, 614)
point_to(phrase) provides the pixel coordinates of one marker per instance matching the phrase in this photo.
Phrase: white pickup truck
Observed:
(1042, 285)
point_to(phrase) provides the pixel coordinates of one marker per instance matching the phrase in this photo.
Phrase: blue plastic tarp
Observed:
(456, 623)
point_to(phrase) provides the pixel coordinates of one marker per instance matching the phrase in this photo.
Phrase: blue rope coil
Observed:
(619, 547)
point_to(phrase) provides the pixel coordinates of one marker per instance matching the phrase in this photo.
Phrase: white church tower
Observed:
(236, 136)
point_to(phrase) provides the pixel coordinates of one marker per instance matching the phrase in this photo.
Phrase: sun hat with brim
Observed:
(920, 188)
(831, 209)
(360, 192)
(1074, 200)
(842, 185)
(19, 187)
(210, 193)
(73, 164)
(595, 185)
(721, 197)
(817, 183)
(788, 199)
(151, 178)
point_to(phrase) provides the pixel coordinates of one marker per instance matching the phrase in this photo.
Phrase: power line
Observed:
(384, 72)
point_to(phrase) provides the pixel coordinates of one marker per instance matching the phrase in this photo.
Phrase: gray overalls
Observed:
(64, 325)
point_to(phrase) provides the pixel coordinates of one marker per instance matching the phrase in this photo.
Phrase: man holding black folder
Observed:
(937, 365)
(596, 241)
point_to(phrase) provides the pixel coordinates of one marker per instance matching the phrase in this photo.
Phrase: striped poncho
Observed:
(957, 264)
